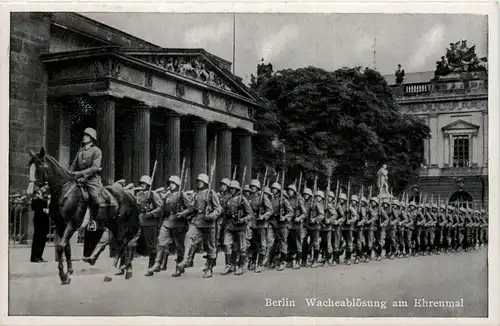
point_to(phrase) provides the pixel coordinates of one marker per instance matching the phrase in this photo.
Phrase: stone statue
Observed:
(382, 177)
(400, 75)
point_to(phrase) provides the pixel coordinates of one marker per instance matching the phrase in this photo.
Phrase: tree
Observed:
(347, 116)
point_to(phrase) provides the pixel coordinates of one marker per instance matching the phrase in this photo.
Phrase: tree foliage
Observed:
(347, 116)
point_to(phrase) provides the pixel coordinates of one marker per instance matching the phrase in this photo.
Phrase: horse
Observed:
(68, 206)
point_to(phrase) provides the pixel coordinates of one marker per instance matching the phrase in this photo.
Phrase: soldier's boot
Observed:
(229, 267)
(149, 272)
(358, 256)
(267, 258)
(368, 255)
(289, 261)
(314, 263)
(241, 263)
(158, 259)
(210, 266)
(281, 262)
(260, 261)
(295, 264)
(164, 261)
(348, 256)
(181, 267)
(379, 254)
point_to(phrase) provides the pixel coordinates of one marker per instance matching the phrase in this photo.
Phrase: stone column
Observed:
(224, 144)
(485, 139)
(172, 147)
(142, 136)
(199, 161)
(105, 124)
(127, 147)
(246, 155)
(65, 137)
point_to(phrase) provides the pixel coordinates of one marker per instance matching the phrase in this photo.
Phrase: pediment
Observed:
(196, 66)
(460, 125)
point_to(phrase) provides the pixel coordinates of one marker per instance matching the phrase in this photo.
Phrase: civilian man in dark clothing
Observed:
(41, 222)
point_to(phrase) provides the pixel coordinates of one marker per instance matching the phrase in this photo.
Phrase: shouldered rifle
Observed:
(182, 178)
(152, 178)
(281, 195)
(327, 198)
(234, 173)
(241, 192)
(211, 178)
(315, 185)
(261, 199)
(337, 192)
(297, 195)
(348, 201)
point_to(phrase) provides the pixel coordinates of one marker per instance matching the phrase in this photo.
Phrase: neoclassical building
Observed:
(455, 107)
(147, 103)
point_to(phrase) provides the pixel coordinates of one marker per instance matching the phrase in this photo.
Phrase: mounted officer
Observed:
(86, 169)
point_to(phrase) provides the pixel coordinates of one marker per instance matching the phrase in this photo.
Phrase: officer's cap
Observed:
(320, 193)
(175, 179)
(146, 179)
(203, 178)
(255, 183)
(276, 186)
(91, 132)
(355, 198)
(235, 184)
(225, 181)
(307, 191)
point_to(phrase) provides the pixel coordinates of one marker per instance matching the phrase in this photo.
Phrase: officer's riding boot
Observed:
(281, 262)
(164, 261)
(159, 255)
(210, 266)
(241, 263)
(314, 263)
(151, 262)
(229, 268)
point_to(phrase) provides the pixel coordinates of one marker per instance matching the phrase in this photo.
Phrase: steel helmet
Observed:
(91, 132)
(292, 187)
(331, 194)
(343, 196)
(463, 210)
(307, 191)
(225, 181)
(276, 186)
(203, 178)
(267, 191)
(146, 179)
(355, 198)
(255, 183)
(443, 206)
(235, 184)
(434, 206)
(246, 188)
(175, 179)
(395, 202)
(320, 193)
(364, 200)
(374, 199)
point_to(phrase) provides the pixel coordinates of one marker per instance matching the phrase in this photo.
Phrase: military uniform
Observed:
(361, 226)
(439, 229)
(223, 199)
(238, 214)
(308, 202)
(313, 223)
(295, 235)
(419, 230)
(280, 223)
(382, 228)
(371, 227)
(392, 228)
(410, 228)
(202, 214)
(172, 230)
(358, 229)
(401, 230)
(262, 211)
(150, 208)
(326, 231)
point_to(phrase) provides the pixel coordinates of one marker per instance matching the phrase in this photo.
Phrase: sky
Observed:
(328, 41)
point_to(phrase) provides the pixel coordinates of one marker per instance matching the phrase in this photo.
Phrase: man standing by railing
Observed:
(41, 224)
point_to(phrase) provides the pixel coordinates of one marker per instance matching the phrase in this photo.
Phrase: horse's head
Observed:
(38, 170)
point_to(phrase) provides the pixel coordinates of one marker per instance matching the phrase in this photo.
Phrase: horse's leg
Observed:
(63, 240)
(59, 258)
(67, 253)
(97, 253)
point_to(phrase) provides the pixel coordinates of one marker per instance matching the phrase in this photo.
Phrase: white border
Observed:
(389, 6)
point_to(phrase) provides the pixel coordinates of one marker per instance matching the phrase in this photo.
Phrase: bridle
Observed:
(38, 174)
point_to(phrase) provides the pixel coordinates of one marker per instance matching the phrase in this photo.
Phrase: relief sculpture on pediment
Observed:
(189, 66)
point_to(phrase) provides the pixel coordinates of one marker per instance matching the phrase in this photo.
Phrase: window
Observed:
(460, 151)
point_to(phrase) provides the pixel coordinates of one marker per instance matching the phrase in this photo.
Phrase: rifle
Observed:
(262, 190)
(281, 195)
(315, 185)
(348, 199)
(152, 178)
(298, 190)
(241, 192)
(211, 178)
(327, 197)
(234, 173)
(180, 186)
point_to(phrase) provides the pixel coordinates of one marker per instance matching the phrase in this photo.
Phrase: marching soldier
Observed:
(357, 229)
(439, 230)
(370, 227)
(484, 215)
(351, 216)
(326, 231)
(315, 218)
(410, 228)
(247, 193)
(172, 230)
(282, 214)
(238, 214)
(382, 227)
(224, 196)
(295, 234)
(433, 216)
(391, 228)
(307, 195)
(419, 230)
(448, 229)
(150, 207)
(401, 229)
(202, 215)
(461, 228)
(262, 210)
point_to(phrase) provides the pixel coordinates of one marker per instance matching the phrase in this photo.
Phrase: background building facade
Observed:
(455, 107)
